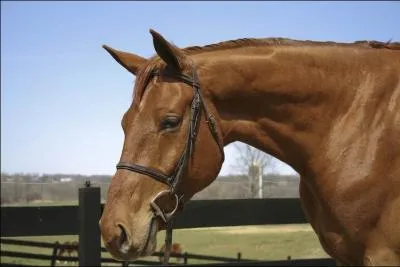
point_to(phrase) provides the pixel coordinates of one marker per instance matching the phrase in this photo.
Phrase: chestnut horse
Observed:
(329, 110)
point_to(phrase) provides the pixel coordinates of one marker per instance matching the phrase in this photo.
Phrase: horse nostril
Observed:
(123, 238)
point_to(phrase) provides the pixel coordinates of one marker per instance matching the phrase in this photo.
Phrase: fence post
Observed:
(89, 232)
(54, 255)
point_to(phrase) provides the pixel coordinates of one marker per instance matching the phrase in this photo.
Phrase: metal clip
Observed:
(157, 210)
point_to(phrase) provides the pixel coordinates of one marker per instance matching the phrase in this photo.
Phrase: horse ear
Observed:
(130, 62)
(169, 53)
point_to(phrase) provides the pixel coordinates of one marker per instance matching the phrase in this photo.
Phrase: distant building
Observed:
(66, 179)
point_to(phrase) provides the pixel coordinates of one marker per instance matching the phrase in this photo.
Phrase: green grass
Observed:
(254, 242)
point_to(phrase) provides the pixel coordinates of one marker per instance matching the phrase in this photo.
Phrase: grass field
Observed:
(254, 242)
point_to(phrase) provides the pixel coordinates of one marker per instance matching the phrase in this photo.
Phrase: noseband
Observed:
(174, 179)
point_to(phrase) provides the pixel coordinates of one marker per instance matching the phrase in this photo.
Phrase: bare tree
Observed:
(252, 162)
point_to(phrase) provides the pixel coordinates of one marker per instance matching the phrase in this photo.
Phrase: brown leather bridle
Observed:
(174, 179)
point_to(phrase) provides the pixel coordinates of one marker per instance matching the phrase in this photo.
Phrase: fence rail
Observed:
(63, 220)
(305, 262)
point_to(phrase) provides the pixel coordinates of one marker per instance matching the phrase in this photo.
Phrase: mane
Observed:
(253, 42)
(155, 62)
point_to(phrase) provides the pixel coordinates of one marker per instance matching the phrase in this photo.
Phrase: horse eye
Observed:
(170, 122)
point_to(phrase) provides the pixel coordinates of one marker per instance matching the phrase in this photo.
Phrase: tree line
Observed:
(251, 182)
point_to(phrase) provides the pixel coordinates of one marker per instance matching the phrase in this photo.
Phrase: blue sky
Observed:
(63, 96)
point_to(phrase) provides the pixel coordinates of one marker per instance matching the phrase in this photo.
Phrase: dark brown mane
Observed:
(251, 42)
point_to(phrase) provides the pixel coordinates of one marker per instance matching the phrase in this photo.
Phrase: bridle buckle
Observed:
(165, 216)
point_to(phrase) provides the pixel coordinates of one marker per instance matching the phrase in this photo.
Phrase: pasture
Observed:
(271, 242)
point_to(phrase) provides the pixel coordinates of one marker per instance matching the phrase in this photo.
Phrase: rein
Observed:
(174, 179)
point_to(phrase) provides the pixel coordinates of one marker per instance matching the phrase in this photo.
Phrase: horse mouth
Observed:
(129, 252)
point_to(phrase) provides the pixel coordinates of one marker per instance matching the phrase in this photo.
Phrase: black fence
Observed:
(51, 258)
(83, 220)
(55, 248)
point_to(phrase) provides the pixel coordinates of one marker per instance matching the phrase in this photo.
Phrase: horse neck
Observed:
(280, 100)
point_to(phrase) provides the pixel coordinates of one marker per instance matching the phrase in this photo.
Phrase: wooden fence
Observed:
(83, 220)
